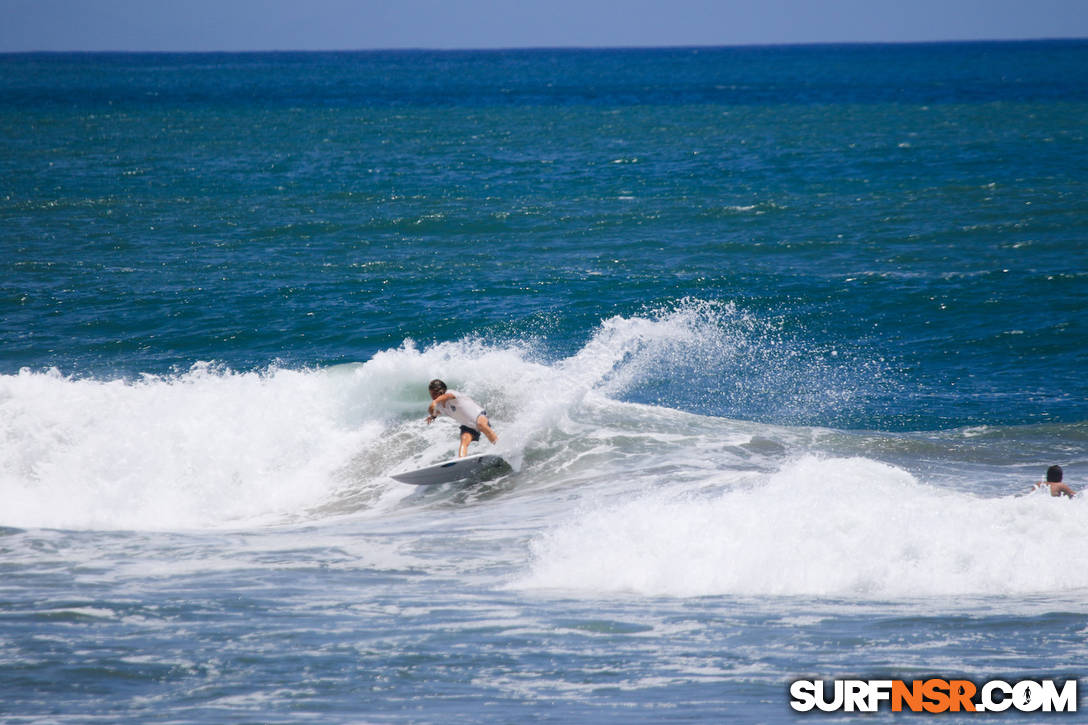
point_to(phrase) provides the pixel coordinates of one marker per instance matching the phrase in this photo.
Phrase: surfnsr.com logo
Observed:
(933, 696)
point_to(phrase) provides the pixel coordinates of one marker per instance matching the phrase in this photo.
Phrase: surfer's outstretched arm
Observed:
(436, 401)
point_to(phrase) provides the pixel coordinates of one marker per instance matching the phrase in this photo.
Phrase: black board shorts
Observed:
(472, 431)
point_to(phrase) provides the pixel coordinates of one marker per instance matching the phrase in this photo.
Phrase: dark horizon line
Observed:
(562, 48)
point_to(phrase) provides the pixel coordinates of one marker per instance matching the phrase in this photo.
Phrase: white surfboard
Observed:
(456, 469)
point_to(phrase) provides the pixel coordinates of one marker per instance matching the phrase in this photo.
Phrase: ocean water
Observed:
(775, 341)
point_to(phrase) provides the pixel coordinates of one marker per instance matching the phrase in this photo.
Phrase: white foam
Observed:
(837, 527)
(210, 447)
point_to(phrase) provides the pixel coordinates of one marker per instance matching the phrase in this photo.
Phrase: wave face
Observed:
(214, 447)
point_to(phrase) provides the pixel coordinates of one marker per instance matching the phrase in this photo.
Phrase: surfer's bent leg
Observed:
(485, 428)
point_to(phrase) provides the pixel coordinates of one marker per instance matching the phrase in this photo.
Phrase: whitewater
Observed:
(605, 496)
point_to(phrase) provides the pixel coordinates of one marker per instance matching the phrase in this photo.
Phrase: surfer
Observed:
(1054, 480)
(464, 410)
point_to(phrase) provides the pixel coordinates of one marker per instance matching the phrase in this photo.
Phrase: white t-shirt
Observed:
(461, 408)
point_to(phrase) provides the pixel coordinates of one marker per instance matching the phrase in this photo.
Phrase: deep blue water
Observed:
(826, 299)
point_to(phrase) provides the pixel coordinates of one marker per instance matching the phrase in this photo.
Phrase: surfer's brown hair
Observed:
(437, 386)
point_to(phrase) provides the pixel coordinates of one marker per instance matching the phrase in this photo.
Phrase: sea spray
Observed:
(717, 358)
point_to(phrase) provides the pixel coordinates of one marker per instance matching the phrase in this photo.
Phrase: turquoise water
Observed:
(775, 339)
